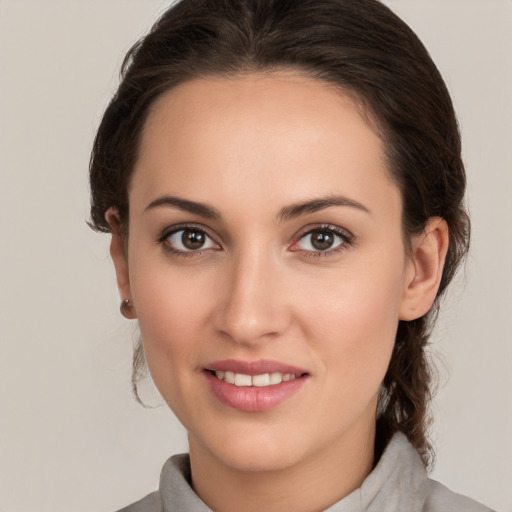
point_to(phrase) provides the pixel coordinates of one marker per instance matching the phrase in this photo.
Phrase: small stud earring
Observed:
(126, 307)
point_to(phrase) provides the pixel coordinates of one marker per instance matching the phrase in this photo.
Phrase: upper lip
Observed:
(258, 367)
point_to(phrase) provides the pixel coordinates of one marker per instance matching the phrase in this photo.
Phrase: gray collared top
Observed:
(399, 483)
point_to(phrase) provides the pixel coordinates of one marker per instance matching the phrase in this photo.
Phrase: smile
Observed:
(254, 386)
(262, 380)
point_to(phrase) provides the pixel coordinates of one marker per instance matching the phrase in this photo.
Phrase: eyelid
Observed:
(347, 237)
(170, 230)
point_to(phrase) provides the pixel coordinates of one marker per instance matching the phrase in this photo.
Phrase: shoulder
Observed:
(174, 493)
(440, 499)
(400, 482)
(151, 503)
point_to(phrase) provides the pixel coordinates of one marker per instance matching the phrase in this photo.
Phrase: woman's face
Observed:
(265, 244)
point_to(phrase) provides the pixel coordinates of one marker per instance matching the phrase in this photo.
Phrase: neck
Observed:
(314, 484)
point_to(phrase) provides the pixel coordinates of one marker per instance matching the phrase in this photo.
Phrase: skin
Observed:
(248, 147)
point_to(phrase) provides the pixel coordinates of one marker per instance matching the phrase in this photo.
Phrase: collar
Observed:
(397, 483)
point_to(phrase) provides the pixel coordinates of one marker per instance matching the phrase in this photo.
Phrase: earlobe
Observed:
(425, 270)
(120, 260)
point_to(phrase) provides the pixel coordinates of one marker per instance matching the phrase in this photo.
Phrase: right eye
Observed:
(189, 240)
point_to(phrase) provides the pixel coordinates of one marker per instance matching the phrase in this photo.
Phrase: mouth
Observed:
(261, 380)
(254, 386)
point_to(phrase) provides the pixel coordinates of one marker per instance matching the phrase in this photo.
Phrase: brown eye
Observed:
(189, 240)
(193, 239)
(321, 240)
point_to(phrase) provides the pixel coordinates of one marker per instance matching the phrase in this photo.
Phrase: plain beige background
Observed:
(71, 436)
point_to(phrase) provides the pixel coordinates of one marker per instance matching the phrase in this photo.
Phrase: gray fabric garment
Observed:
(399, 483)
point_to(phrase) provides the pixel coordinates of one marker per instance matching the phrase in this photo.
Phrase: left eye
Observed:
(190, 239)
(320, 240)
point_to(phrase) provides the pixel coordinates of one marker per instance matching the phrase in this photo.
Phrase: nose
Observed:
(253, 306)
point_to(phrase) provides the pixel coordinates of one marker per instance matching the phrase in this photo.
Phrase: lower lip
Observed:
(253, 398)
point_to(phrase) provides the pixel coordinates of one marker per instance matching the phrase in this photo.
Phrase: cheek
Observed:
(353, 324)
(171, 310)
(171, 313)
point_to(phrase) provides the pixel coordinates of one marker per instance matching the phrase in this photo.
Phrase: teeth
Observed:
(276, 378)
(263, 380)
(229, 377)
(243, 380)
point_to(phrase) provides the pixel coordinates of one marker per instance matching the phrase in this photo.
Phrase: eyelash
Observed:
(347, 240)
(176, 229)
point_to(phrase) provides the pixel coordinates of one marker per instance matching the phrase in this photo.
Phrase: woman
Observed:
(283, 185)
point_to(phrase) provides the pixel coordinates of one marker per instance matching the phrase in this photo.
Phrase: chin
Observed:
(248, 453)
(258, 459)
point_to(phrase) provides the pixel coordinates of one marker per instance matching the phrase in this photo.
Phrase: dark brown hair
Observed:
(366, 51)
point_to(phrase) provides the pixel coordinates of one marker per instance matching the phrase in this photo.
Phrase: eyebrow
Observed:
(315, 205)
(286, 213)
(184, 204)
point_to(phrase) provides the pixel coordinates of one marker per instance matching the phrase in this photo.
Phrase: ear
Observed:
(425, 269)
(118, 252)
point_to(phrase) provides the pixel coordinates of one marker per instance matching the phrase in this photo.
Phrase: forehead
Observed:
(269, 136)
